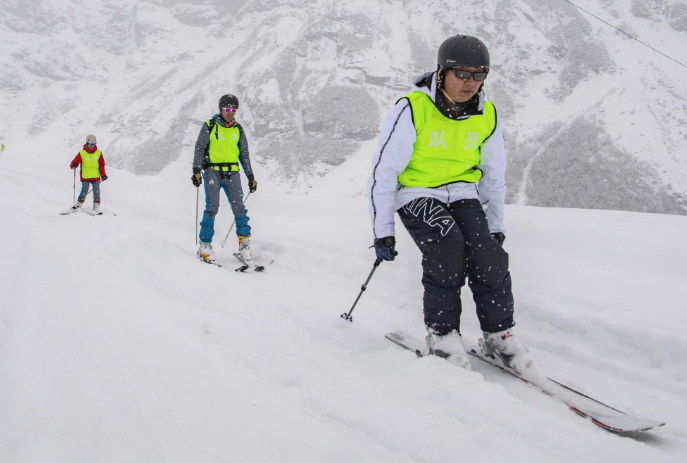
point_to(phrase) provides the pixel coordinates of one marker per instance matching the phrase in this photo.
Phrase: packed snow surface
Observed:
(118, 345)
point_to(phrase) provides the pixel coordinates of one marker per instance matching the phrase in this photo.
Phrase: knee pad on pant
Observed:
(443, 263)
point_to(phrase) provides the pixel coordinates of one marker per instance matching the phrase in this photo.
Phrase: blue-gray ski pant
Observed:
(230, 182)
(456, 244)
(84, 190)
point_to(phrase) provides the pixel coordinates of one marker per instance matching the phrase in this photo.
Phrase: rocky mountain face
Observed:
(593, 118)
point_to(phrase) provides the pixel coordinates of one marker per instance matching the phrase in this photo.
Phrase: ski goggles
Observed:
(465, 75)
(229, 110)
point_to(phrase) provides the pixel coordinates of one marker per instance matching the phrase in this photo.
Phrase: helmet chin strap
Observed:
(450, 98)
(441, 73)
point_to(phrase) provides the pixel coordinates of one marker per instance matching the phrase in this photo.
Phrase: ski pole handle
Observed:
(347, 316)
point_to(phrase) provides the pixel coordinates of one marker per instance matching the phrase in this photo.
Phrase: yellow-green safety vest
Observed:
(445, 150)
(224, 146)
(90, 168)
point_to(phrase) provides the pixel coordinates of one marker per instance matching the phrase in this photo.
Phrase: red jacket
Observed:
(101, 163)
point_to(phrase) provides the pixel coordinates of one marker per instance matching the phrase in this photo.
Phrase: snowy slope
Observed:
(117, 345)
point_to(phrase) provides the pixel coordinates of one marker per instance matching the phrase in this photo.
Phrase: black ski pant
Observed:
(456, 243)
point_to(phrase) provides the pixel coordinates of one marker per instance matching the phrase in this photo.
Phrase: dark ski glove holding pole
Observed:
(385, 248)
(196, 178)
(252, 185)
(499, 237)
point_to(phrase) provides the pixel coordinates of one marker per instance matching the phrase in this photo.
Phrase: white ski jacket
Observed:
(392, 156)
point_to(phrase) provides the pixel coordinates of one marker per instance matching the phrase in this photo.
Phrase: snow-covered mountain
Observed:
(593, 118)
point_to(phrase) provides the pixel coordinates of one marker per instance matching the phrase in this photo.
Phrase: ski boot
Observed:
(96, 205)
(79, 203)
(511, 352)
(449, 346)
(205, 253)
(244, 248)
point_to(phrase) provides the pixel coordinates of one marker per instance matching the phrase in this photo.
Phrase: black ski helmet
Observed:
(228, 100)
(463, 50)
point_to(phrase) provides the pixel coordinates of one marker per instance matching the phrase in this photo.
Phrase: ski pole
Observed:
(74, 189)
(197, 200)
(347, 316)
(233, 223)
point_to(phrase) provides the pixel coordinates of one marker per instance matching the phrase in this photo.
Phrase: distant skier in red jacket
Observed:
(92, 171)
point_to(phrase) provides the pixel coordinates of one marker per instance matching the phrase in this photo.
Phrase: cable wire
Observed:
(630, 36)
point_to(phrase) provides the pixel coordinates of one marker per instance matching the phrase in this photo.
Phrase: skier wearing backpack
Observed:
(220, 148)
(92, 171)
(436, 146)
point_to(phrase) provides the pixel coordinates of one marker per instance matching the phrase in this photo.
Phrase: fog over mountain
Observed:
(593, 119)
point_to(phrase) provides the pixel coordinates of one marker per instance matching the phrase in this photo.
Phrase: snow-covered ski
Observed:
(248, 265)
(87, 211)
(92, 212)
(214, 262)
(599, 413)
(101, 212)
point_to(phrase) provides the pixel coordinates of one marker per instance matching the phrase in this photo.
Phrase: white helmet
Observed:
(90, 139)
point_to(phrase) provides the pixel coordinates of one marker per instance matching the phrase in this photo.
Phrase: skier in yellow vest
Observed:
(220, 148)
(441, 157)
(92, 171)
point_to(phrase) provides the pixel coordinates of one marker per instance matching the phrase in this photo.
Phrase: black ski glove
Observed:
(197, 180)
(74, 165)
(252, 185)
(385, 248)
(103, 178)
(499, 237)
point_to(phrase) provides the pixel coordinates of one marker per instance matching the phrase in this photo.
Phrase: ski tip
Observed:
(632, 429)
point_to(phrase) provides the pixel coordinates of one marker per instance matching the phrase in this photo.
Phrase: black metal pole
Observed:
(197, 201)
(347, 316)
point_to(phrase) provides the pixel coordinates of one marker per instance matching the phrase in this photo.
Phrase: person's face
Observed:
(462, 89)
(228, 113)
